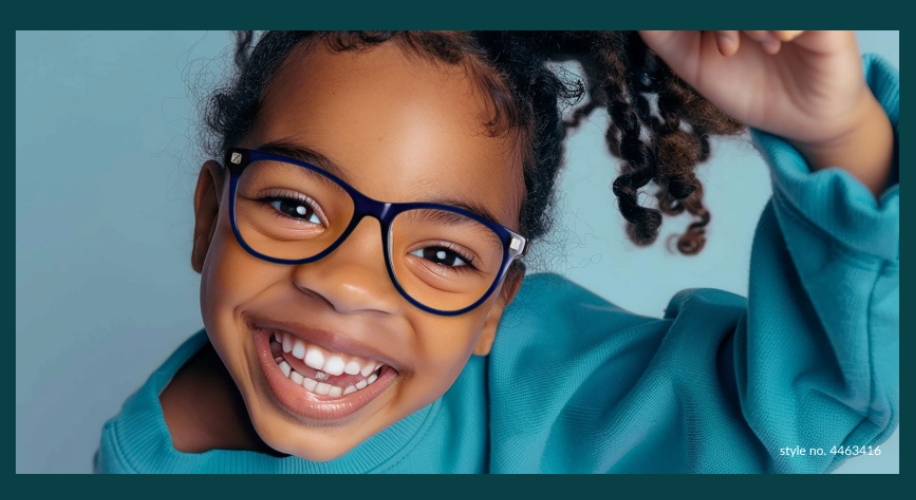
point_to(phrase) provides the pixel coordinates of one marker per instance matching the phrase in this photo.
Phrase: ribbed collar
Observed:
(145, 445)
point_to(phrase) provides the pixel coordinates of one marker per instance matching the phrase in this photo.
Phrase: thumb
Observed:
(681, 50)
(670, 45)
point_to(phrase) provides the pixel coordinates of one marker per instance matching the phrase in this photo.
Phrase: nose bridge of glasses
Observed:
(353, 275)
(363, 206)
(358, 219)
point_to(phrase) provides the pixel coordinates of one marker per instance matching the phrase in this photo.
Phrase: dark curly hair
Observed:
(659, 126)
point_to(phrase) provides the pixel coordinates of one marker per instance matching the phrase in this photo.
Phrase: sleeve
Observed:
(808, 361)
(816, 358)
(812, 363)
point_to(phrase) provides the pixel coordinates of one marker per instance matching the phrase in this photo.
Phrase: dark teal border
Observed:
(607, 14)
(469, 14)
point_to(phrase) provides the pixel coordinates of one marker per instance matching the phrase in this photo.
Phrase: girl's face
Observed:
(399, 128)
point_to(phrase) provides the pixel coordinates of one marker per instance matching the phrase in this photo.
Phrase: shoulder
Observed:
(130, 437)
(556, 321)
(565, 363)
(556, 326)
(204, 410)
(551, 309)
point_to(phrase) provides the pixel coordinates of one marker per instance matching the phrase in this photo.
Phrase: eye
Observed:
(297, 209)
(442, 256)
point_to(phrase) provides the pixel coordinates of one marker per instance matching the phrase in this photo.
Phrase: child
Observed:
(361, 239)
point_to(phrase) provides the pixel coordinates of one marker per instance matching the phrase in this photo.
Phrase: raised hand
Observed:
(807, 87)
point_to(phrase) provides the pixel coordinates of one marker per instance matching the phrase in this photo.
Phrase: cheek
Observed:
(444, 344)
(443, 347)
(229, 278)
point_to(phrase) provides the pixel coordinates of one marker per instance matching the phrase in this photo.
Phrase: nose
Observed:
(353, 277)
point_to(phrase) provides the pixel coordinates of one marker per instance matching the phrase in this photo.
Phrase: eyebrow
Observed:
(451, 219)
(307, 155)
(477, 210)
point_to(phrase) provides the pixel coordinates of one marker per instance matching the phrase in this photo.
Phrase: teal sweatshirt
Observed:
(719, 384)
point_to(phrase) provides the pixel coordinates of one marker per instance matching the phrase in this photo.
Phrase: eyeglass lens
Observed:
(442, 259)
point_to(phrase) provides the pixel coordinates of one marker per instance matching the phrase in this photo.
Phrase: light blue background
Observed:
(106, 160)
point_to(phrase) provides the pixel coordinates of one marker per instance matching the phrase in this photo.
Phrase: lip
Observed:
(309, 405)
(326, 340)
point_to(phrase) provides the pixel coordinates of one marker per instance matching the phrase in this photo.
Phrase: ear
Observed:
(510, 288)
(206, 211)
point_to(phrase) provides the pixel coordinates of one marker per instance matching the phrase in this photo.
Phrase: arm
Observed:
(721, 384)
(815, 359)
(866, 150)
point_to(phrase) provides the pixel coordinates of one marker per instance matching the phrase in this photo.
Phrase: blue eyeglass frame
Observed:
(514, 244)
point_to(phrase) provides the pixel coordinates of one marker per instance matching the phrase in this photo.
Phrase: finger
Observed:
(787, 36)
(771, 46)
(728, 42)
(758, 36)
(662, 41)
(767, 40)
(681, 50)
(677, 48)
(825, 41)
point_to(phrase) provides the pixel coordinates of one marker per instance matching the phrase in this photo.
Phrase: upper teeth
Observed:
(328, 362)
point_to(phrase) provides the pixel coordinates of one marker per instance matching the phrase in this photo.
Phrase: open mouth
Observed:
(315, 382)
(319, 371)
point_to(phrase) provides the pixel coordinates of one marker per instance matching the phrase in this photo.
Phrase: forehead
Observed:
(399, 126)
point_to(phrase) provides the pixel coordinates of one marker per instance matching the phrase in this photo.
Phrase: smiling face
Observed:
(399, 128)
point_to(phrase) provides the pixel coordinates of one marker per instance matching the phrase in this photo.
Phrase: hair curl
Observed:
(659, 126)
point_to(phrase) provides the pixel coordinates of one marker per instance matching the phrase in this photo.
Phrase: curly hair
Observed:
(659, 126)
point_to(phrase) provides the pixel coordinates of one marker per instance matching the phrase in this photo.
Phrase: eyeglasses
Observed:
(443, 259)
